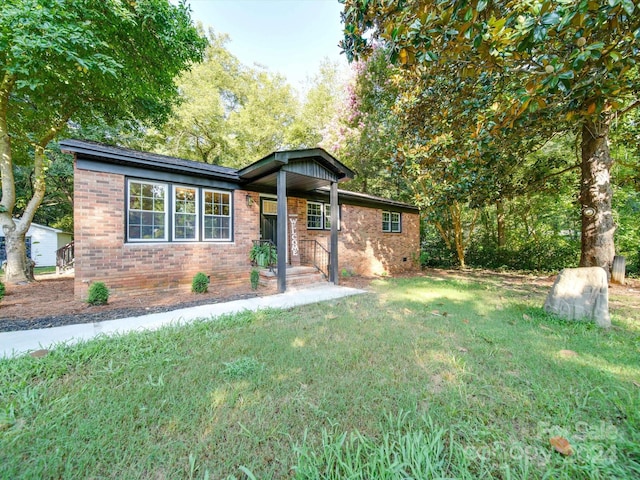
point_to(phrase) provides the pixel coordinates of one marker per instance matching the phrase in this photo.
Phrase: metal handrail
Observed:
(314, 253)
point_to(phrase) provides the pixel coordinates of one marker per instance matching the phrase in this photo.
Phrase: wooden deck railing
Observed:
(65, 257)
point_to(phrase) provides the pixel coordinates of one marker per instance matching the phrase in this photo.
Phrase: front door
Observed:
(269, 220)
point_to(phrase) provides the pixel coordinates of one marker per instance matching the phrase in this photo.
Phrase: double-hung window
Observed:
(217, 215)
(391, 222)
(185, 213)
(315, 215)
(327, 216)
(163, 212)
(148, 214)
(319, 216)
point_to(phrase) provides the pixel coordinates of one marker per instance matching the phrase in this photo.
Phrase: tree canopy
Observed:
(75, 61)
(512, 75)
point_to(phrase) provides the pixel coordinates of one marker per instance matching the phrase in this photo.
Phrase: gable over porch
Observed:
(297, 172)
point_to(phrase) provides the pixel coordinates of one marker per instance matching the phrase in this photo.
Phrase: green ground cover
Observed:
(423, 378)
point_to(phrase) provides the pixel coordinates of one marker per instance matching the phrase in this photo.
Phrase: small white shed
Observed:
(45, 241)
(42, 243)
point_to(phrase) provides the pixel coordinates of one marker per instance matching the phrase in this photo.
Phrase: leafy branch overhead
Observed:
(562, 49)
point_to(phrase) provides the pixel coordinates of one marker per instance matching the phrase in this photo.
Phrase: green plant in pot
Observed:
(263, 254)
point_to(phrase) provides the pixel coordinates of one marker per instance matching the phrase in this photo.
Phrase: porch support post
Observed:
(333, 259)
(282, 231)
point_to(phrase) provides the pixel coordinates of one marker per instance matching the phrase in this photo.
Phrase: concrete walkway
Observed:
(13, 344)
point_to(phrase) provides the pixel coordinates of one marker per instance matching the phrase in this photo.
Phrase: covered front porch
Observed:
(296, 173)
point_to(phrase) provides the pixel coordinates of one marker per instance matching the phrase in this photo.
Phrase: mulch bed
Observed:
(50, 302)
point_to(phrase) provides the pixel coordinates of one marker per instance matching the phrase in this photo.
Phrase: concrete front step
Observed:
(296, 276)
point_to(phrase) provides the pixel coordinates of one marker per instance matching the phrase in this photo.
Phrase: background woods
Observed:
(511, 125)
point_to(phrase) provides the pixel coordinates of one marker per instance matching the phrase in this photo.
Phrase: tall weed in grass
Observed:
(487, 376)
(405, 449)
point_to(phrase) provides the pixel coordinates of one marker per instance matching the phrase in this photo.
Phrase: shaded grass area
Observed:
(423, 378)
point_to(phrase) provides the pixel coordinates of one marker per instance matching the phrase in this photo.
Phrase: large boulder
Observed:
(581, 294)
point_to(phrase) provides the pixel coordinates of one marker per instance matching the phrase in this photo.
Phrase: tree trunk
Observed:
(598, 226)
(502, 237)
(19, 268)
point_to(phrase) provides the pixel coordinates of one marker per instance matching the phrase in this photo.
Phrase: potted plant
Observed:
(263, 254)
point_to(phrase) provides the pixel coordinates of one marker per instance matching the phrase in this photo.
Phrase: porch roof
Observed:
(307, 170)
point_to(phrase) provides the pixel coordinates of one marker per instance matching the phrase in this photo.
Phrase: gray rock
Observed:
(581, 294)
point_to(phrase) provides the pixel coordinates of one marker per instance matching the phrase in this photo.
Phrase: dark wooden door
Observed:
(269, 228)
(268, 221)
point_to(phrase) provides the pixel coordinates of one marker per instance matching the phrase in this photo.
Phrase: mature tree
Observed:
(209, 93)
(229, 114)
(365, 135)
(323, 98)
(551, 63)
(63, 60)
(260, 126)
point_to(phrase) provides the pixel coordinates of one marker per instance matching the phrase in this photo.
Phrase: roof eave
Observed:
(96, 153)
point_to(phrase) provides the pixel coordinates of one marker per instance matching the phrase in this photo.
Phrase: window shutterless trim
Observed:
(229, 216)
(389, 219)
(169, 213)
(175, 214)
(319, 216)
(327, 218)
(141, 212)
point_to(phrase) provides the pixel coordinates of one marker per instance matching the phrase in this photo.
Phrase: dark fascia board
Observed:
(101, 153)
(364, 200)
(111, 154)
(145, 173)
(276, 160)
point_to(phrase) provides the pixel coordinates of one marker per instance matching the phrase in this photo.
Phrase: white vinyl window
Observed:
(217, 215)
(327, 216)
(162, 212)
(391, 222)
(147, 214)
(315, 214)
(185, 213)
(319, 216)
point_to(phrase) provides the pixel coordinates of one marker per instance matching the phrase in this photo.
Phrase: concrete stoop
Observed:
(297, 277)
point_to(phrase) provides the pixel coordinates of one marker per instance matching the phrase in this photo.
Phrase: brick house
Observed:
(148, 221)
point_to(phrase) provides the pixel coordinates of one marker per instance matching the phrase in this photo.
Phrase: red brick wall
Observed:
(101, 253)
(362, 246)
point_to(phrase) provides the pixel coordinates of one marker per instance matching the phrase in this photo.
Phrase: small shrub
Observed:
(346, 273)
(255, 278)
(98, 294)
(200, 283)
(2, 290)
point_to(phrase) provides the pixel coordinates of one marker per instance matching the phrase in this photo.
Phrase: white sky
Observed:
(290, 37)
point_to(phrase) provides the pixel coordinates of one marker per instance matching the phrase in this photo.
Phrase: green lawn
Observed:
(425, 378)
(37, 270)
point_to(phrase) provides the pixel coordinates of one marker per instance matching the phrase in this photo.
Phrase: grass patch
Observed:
(38, 270)
(424, 378)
